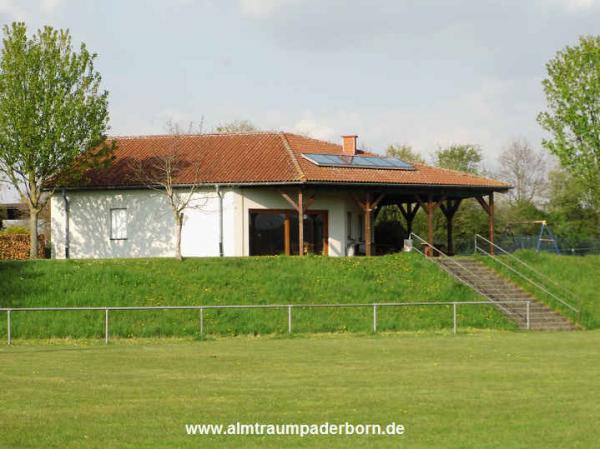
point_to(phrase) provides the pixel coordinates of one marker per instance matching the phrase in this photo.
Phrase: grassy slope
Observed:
(264, 280)
(579, 276)
(487, 390)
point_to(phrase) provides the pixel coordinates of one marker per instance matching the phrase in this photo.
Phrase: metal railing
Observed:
(442, 255)
(542, 278)
(201, 325)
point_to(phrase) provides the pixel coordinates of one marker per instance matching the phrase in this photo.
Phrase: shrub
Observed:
(11, 230)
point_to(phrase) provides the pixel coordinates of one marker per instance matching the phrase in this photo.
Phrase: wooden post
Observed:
(409, 214)
(491, 222)
(429, 207)
(300, 224)
(299, 207)
(449, 210)
(450, 242)
(286, 234)
(367, 207)
(367, 216)
(430, 225)
(489, 208)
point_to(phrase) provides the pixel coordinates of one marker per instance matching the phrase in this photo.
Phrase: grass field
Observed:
(578, 277)
(488, 389)
(264, 280)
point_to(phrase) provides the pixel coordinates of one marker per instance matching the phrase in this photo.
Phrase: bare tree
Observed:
(236, 126)
(525, 169)
(161, 171)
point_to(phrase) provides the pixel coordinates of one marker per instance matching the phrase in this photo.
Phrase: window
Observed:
(118, 224)
(12, 213)
(275, 231)
(268, 232)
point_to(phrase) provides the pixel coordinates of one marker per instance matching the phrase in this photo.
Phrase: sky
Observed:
(419, 72)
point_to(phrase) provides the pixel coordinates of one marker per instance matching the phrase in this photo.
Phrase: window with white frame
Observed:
(118, 224)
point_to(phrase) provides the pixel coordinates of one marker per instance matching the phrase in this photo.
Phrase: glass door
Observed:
(274, 232)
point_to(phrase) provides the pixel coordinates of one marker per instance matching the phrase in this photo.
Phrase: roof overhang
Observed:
(329, 184)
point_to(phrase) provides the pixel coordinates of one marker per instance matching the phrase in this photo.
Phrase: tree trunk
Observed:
(33, 233)
(179, 224)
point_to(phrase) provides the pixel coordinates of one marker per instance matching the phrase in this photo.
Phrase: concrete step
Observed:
(497, 288)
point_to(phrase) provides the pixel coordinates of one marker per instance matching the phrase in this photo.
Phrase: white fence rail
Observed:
(374, 306)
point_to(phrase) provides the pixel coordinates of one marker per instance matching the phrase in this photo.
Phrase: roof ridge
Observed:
(288, 148)
(314, 139)
(154, 136)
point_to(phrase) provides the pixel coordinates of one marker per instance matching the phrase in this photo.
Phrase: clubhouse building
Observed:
(248, 192)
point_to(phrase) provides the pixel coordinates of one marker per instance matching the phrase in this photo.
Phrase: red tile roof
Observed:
(263, 157)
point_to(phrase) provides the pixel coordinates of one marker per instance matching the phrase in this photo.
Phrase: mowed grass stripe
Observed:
(484, 390)
(264, 280)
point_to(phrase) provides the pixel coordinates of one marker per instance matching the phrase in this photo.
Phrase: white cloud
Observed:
(14, 9)
(572, 6)
(580, 4)
(51, 6)
(489, 114)
(11, 9)
(260, 9)
(313, 128)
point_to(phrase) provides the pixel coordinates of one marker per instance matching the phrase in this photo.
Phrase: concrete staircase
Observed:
(497, 288)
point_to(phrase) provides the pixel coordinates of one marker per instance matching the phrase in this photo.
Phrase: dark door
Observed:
(274, 232)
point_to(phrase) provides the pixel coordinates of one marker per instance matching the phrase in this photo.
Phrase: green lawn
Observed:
(577, 276)
(261, 280)
(478, 390)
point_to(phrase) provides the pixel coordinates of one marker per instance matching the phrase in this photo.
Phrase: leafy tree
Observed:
(52, 111)
(569, 213)
(236, 126)
(465, 158)
(404, 152)
(572, 118)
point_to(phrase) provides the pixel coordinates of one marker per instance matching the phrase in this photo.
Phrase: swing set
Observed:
(545, 236)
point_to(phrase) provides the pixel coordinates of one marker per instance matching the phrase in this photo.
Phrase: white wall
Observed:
(200, 233)
(150, 224)
(8, 194)
(151, 229)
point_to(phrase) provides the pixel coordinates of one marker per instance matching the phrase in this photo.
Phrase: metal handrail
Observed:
(455, 262)
(248, 306)
(517, 272)
(522, 262)
(289, 308)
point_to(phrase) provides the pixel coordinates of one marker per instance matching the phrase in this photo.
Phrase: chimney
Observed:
(349, 145)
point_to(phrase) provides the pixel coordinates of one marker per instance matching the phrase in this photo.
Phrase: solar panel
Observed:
(332, 160)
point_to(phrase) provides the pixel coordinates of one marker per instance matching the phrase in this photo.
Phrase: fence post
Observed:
(289, 320)
(105, 325)
(374, 318)
(453, 318)
(201, 321)
(8, 325)
(528, 319)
